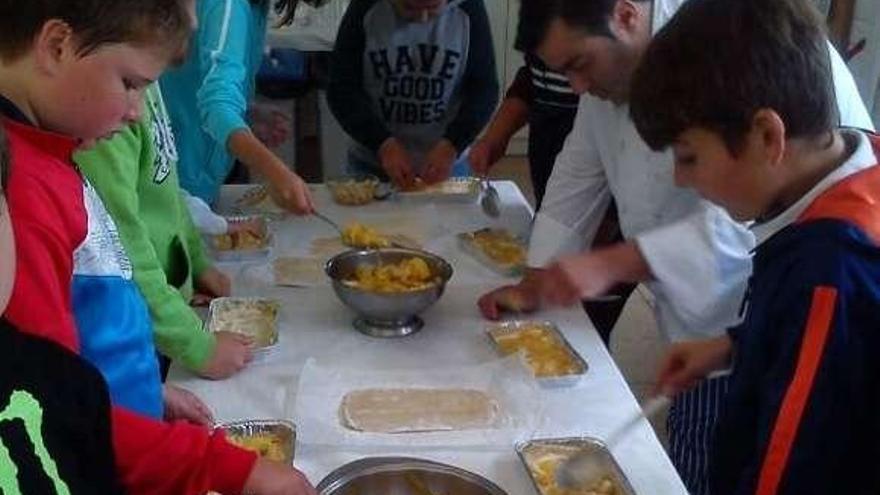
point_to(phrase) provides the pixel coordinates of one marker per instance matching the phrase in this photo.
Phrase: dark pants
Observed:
(604, 315)
(164, 366)
(548, 128)
(239, 174)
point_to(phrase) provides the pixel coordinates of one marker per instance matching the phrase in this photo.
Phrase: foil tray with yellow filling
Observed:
(496, 248)
(543, 457)
(549, 355)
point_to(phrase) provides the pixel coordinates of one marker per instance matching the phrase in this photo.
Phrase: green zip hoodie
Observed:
(135, 173)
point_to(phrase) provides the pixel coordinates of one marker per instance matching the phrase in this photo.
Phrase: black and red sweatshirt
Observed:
(45, 197)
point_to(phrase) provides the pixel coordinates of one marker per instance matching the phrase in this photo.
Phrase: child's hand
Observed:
(272, 478)
(290, 192)
(481, 157)
(200, 300)
(397, 163)
(519, 298)
(183, 405)
(269, 125)
(687, 363)
(231, 354)
(212, 282)
(438, 162)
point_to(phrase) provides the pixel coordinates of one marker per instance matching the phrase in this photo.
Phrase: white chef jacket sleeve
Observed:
(577, 195)
(703, 263)
(850, 105)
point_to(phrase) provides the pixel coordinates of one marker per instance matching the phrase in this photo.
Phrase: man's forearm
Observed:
(627, 263)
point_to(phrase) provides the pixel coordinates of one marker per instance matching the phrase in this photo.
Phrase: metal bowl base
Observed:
(389, 329)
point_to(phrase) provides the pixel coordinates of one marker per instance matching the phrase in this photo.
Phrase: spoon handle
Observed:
(326, 220)
(650, 409)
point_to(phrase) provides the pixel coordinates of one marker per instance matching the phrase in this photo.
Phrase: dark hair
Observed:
(535, 17)
(718, 62)
(286, 9)
(94, 23)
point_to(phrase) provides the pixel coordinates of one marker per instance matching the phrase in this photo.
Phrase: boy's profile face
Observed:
(738, 183)
(90, 97)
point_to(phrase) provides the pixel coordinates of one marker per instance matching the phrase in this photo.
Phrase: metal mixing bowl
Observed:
(385, 314)
(404, 476)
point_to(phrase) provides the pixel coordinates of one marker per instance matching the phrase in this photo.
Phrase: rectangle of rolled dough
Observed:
(417, 410)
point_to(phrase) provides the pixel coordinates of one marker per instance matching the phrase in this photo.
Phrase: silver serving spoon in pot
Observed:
(584, 469)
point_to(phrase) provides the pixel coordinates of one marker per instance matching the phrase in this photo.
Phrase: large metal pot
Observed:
(404, 476)
(383, 314)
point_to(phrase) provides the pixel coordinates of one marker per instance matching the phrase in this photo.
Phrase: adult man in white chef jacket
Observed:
(691, 255)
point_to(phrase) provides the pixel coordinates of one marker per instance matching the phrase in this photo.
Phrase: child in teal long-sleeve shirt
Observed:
(208, 98)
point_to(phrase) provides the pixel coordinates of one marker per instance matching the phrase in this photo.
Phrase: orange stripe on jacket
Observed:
(855, 199)
(798, 394)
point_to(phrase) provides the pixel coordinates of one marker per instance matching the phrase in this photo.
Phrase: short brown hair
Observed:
(591, 17)
(718, 62)
(94, 23)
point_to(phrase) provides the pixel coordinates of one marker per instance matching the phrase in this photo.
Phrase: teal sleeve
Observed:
(222, 50)
(112, 166)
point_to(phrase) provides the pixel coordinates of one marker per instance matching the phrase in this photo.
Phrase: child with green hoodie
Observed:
(135, 173)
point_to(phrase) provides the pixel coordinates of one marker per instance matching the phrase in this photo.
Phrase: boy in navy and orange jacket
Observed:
(758, 136)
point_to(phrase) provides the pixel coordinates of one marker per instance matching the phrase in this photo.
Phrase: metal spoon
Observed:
(584, 469)
(490, 201)
(329, 222)
(335, 225)
(383, 191)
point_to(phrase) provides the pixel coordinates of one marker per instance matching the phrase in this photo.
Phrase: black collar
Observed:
(9, 110)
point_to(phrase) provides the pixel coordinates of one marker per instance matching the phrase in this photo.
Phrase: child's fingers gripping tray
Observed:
(254, 317)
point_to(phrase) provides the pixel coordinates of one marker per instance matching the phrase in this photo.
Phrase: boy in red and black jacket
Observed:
(742, 92)
(71, 72)
(54, 406)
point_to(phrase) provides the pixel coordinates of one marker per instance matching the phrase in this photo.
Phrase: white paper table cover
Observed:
(314, 323)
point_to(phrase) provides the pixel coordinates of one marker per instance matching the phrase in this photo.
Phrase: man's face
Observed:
(418, 10)
(595, 64)
(739, 184)
(90, 97)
